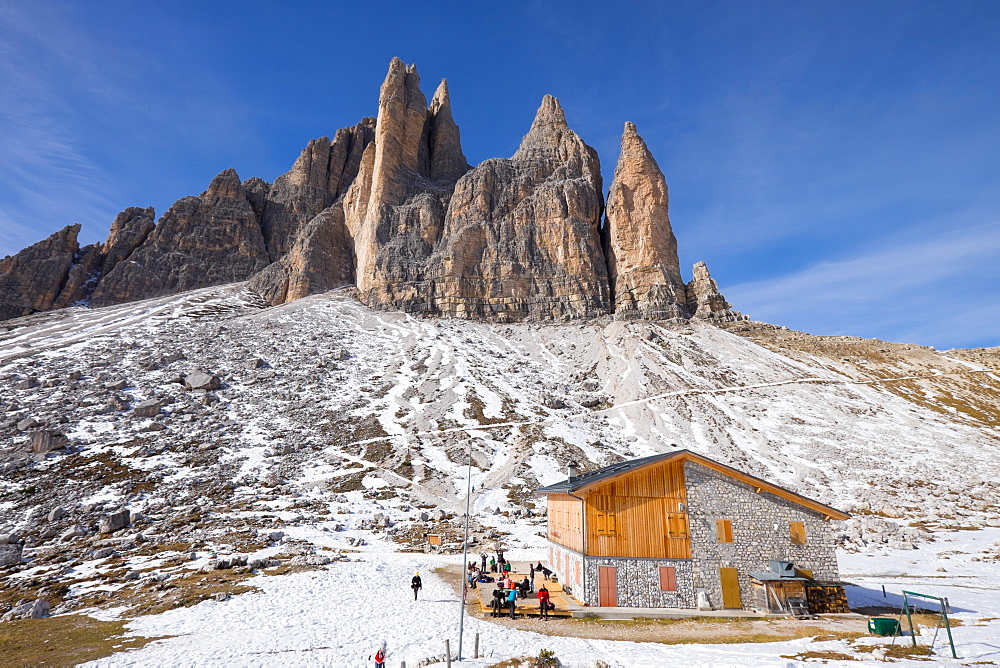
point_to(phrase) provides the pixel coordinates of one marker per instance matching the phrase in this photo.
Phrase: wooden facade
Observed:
(643, 514)
(566, 521)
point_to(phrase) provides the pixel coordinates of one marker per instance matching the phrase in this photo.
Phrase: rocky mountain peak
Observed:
(444, 144)
(226, 184)
(704, 299)
(550, 114)
(392, 205)
(643, 266)
(32, 279)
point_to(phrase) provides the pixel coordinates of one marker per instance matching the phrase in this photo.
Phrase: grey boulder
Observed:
(10, 554)
(114, 521)
(47, 441)
(33, 610)
(147, 409)
(199, 380)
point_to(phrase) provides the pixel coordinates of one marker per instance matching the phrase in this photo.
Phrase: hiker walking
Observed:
(543, 603)
(379, 656)
(416, 584)
(512, 601)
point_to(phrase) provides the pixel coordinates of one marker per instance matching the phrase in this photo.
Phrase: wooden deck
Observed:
(528, 607)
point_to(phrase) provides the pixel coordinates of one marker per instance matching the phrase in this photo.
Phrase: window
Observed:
(605, 522)
(798, 532)
(668, 578)
(724, 531)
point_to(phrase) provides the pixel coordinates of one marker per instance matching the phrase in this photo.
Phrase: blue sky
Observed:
(835, 163)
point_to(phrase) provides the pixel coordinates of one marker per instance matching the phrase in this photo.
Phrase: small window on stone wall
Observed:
(668, 578)
(798, 532)
(724, 531)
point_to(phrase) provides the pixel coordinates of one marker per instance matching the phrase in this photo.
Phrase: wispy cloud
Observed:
(937, 291)
(85, 122)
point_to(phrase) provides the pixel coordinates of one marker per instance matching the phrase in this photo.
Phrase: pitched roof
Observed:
(586, 480)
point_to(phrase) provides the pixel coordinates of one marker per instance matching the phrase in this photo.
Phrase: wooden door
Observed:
(607, 586)
(730, 588)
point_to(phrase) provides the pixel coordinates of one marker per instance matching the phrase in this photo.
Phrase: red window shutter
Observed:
(668, 578)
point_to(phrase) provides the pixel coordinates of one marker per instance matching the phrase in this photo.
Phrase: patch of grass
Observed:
(67, 640)
(820, 656)
(189, 590)
(906, 651)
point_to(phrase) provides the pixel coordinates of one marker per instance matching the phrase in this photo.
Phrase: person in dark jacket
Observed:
(523, 588)
(498, 601)
(416, 585)
(483, 569)
(543, 603)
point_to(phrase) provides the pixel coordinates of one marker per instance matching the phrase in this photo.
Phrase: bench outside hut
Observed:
(680, 530)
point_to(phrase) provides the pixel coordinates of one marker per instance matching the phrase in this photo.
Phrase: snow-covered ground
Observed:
(330, 415)
(337, 616)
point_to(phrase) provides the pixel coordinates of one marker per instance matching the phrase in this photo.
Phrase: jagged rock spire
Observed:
(447, 162)
(704, 299)
(32, 279)
(643, 266)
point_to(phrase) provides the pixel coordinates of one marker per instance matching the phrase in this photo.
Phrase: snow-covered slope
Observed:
(338, 429)
(327, 394)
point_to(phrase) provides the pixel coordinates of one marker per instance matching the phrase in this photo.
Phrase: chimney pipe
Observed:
(572, 470)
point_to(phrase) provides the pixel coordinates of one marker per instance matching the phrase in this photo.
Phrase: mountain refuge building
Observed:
(680, 530)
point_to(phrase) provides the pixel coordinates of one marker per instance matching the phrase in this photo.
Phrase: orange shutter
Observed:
(798, 532)
(668, 578)
(724, 531)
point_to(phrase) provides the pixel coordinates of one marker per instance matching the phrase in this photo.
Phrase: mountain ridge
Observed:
(392, 206)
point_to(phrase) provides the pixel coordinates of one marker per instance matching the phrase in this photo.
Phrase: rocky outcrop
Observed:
(128, 232)
(444, 144)
(82, 277)
(643, 267)
(392, 206)
(321, 259)
(323, 172)
(32, 279)
(200, 241)
(396, 206)
(521, 239)
(704, 299)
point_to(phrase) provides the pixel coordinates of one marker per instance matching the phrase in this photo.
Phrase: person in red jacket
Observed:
(543, 603)
(380, 656)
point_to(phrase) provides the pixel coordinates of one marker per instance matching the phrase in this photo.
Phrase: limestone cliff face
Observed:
(704, 299)
(200, 241)
(392, 206)
(321, 174)
(32, 279)
(321, 259)
(643, 266)
(521, 239)
(396, 206)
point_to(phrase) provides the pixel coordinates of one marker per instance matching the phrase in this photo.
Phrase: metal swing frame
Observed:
(943, 602)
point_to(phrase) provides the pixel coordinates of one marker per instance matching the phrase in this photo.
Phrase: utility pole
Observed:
(465, 553)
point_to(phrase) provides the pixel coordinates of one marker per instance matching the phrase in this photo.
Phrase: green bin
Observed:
(883, 626)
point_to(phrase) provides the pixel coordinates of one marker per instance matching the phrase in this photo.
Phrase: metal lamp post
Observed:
(465, 554)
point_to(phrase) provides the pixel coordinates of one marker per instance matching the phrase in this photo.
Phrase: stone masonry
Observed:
(760, 524)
